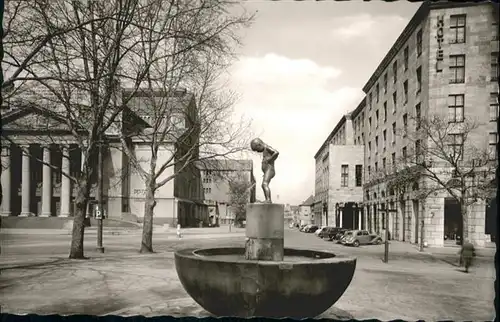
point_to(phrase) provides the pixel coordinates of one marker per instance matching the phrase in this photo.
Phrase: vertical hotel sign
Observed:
(440, 39)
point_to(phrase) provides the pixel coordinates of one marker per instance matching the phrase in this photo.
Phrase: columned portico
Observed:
(46, 183)
(6, 180)
(65, 183)
(25, 182)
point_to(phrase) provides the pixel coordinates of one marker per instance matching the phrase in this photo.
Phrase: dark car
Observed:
(337, 233)
(311, 229)
(325, 232)
(330, 233)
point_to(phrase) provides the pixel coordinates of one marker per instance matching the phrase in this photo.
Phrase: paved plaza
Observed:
(38, 278)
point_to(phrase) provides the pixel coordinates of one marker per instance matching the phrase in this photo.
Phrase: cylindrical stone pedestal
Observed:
(265, 228)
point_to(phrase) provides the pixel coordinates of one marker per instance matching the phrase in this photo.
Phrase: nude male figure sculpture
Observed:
(269, 155)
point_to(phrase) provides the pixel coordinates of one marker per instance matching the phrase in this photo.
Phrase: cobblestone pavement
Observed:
(126, 283)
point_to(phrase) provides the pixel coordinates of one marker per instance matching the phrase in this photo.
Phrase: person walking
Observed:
(467, 253)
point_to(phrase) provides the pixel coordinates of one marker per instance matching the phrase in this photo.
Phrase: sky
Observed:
(302, 66)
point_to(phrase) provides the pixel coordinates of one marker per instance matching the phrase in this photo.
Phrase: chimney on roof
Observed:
(349, 130)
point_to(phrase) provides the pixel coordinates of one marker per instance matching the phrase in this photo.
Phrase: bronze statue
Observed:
(269, 155)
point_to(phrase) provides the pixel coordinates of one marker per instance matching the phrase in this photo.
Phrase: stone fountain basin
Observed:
(305, 284)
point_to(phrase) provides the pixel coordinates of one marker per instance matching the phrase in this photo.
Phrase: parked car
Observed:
(311, 229)
(325, 232)
(319, 230)
(342, 237)
(303, 227)
(335, 233)
(361, 237)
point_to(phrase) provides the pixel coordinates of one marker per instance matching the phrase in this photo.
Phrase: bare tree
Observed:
(240, 187)
(444, 157)
(67, 60)
(183, 128)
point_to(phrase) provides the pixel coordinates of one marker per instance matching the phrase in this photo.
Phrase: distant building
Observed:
(306, 215)
(216, 176)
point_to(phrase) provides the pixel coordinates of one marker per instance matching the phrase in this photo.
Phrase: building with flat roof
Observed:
(339, 174)
(216, 177)
(444, 63)
(38, 147)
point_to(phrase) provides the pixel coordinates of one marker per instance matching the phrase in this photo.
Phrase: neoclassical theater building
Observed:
(37, 149)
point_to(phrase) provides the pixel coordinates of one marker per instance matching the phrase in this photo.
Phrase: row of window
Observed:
(456, 144)
(207, 190)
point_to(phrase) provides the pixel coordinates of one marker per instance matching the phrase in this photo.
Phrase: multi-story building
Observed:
(37, 149)
(339, 174)
(445, 62)
(216, 176)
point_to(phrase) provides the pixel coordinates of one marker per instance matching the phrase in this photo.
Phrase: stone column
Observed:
(6, 180)
(359, 218)
(265, 230)
(65, 184)
(46, 183)
(25, 182)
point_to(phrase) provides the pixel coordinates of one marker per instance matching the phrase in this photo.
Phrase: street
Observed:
(37, 278)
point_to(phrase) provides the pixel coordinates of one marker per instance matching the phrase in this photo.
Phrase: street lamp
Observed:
(386, 244)
(99, 212)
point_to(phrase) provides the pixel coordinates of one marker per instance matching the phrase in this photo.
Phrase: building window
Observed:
(376, 166)
(376, 144)
(393, 133)
(385, 111)
(395, 72)
(494, 66)
(376, 118)
(494, 107)
(405, 92)
(377, 93)
(405, 58)
(394, 101)
(418, 151)
(344, 175)
(404, 153)
(359, 175)
(370, 123)
(405, 124)
(457, 145)
(385, 83)
(384, 134)
(370, 100)
(419, 79)
(418, 116)
(492, 145)
(457, 26)
(457, 69)
(393, 161)
(419, 43)
(369, 172)
(370, 147)
(456, 108)
(383, 164)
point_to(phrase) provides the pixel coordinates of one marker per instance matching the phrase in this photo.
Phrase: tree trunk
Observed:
(465, 222)
(147, 228)
(76, 250)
